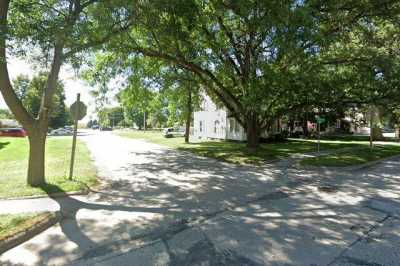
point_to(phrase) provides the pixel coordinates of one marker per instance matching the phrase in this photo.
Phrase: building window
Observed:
(201, 126)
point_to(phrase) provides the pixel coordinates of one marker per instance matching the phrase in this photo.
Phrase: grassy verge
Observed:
(10, 224)
(235, 152)
(14, 162)
(354, 156)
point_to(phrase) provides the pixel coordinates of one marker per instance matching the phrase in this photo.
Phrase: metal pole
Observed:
(319, 134)
(71, 168)
(370, 129)
(144, 120)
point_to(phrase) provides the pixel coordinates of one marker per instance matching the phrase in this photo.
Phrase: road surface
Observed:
(164, 207)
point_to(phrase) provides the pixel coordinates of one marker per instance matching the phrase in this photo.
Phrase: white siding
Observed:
(210, 124)
(213, 123)
(234, 130)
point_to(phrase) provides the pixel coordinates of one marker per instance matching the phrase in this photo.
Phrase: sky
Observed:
(72, 84)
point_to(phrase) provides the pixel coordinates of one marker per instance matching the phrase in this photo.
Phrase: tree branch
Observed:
(223, 94)
(9, 95)
(98, 42)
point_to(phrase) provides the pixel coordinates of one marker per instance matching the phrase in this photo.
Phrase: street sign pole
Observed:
(144, 120)
(319, 134)
(371, 143)
(320, 120)
(71, 168)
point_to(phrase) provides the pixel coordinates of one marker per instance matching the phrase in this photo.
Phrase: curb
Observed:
(101, 185)
(24, 235)
(53, 195)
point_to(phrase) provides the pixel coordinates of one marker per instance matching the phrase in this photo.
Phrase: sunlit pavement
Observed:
(164, 207)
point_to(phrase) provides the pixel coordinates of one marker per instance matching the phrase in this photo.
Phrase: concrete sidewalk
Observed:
(163, 207)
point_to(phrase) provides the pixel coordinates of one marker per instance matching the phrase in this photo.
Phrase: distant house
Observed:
(213, 122)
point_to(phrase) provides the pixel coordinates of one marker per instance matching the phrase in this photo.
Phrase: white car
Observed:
(174, 132)
(61, 132)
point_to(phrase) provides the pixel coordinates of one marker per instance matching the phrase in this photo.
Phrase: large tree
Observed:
(259, 58)
(167, 94)
(51, 33)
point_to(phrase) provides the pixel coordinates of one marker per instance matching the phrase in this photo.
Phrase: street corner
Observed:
(379, 247)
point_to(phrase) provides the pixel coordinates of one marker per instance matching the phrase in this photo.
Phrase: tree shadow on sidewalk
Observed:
(88, 232)
(172, 185)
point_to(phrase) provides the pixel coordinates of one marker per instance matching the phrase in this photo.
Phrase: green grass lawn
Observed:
(354, 156)
(350, 137)
(14, 163)
(236, 152)
(10, 224)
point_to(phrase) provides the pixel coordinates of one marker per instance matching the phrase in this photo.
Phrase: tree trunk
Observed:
(377, 133)
(305, 128)
(253, 133)
(36, 166)
(188, 115)
(375, 130)
(291, 126)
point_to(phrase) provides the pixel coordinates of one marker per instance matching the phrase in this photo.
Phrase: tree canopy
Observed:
(30, 93)
(281, 55)
(52, 33)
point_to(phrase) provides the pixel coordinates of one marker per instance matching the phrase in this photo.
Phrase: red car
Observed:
(12, 132)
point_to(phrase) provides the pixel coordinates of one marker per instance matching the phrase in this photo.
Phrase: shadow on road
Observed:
(76, 231)
(271, 210)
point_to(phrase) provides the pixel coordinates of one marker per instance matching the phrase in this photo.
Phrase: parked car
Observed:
(95, 127)
(173, 132)
(13, 132)
(106, 129)
(61, 132)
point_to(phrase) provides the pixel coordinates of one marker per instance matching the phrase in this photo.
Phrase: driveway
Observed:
(164, 207)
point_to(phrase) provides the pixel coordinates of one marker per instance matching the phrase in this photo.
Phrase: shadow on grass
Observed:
(353, 156)
(4, 144)
(236, 152)
(356, 138)
(52, 189)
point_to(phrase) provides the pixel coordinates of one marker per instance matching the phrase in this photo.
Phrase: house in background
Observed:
(213, 122)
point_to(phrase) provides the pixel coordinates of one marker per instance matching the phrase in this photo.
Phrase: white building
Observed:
(213, 122)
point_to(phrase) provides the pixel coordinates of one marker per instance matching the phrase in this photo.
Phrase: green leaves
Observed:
(263, 59)
(30, 92)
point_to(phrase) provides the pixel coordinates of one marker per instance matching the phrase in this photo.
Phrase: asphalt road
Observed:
(164, 207)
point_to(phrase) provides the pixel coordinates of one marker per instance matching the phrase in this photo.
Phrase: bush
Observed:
(296, 134)
(275, 137)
